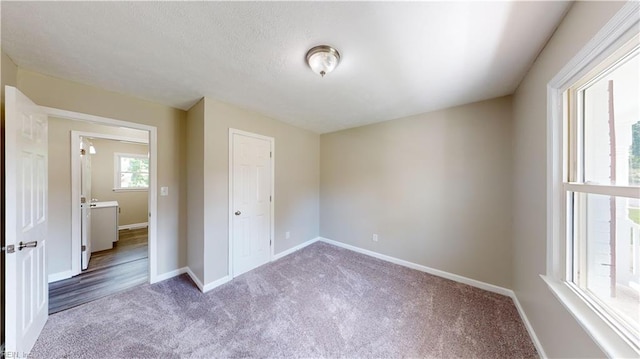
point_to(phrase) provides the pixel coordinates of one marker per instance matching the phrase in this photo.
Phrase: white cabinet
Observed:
(104, 225)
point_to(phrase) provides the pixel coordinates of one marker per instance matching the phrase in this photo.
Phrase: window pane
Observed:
(620, 89)
(134, 164)
(134, 180)
(607, 254)
(134, 172)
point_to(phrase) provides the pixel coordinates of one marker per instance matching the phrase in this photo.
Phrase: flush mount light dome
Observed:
(323, 59)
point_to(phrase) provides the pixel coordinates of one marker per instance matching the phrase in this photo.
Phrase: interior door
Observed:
(251, 199)
(85, 201)
(26, 285)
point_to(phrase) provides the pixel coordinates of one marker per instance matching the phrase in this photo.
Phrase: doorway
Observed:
(251, 200)
(75, 190)
(109, 205)
(89, 258)
(119, 182)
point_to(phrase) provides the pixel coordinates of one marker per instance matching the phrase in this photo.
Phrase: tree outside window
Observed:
(132, 171)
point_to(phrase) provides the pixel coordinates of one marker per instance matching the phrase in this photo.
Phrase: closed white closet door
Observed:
(251, 201)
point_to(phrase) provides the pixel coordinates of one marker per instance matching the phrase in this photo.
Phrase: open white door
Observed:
(251, 180)
(85, 201)
(26, 286)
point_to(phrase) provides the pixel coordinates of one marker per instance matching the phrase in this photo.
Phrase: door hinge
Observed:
(269, 198)
(270, 242)
(83, 200)
(10, 248)
(84, 248)
(270, 154)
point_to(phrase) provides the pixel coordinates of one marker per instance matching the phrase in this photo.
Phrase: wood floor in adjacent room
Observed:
(111, 271)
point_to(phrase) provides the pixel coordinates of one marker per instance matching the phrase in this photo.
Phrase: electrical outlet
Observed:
(374, 237)
(287, 235)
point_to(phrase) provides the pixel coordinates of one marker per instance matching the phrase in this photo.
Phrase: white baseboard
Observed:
(527, 324)
(216, 283)
(205, 288)
(294, 249)
(195, 279)
(436, 272)
(170, 274)
(456, 278)
(59, 276)
(134, 226)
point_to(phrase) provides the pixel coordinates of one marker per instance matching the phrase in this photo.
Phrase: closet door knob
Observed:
(238, 213)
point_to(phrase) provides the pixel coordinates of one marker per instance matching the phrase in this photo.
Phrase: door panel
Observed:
(251, 192)
(26, 285)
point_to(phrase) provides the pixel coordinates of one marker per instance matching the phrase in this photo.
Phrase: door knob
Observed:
(238, 213)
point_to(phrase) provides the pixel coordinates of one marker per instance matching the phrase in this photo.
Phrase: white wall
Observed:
(560, 334)
(435, 187)
(59, 237)
(134, 205)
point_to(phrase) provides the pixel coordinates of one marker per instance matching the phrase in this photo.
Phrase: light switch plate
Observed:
(164, 191)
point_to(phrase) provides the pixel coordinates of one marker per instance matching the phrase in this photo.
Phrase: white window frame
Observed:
(616, 33)
(116, 172)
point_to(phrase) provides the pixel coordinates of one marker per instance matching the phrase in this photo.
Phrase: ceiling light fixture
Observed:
(323, 59)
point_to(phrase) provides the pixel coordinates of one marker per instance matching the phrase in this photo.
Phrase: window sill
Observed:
(607, 338)
(130, 190)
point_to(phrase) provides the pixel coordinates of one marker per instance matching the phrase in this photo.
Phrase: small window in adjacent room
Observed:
(131, 172)
(601, 190)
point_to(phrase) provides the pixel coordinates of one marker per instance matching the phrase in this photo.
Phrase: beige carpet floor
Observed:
(322, 301)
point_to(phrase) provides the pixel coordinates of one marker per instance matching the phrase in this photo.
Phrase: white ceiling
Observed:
(398, 58)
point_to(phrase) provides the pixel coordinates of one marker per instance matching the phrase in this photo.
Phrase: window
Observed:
(601, 190)
(131, 172)
(592, 199)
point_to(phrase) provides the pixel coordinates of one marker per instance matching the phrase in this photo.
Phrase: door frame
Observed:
(233, 131)
(153, 172)
(76, 238)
